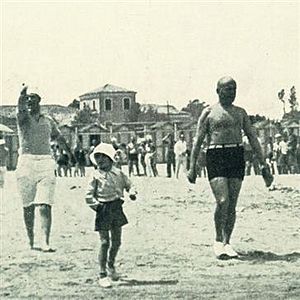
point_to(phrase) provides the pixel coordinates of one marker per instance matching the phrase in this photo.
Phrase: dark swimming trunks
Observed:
(225, 162)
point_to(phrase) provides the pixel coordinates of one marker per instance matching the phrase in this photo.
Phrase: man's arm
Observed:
(252, 137)
(202, 130)
(22, 110)
(56, 135)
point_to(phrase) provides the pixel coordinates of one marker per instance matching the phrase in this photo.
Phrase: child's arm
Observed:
(129, 187)
(90, 198)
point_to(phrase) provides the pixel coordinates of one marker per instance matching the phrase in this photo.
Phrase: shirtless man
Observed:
(223, 124)
(35, 177)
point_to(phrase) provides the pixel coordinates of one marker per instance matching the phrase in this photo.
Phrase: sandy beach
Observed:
(166, 251)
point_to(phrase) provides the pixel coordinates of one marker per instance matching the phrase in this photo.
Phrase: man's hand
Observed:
(192, 176)
(24, 91)
(132, 197)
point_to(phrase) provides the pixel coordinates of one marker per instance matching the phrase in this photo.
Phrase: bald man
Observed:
(223, 124)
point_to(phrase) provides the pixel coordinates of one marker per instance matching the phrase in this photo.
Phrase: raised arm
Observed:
(22, 110)
(202, 130)
(252, 137)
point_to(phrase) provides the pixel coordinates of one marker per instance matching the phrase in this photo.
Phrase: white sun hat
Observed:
(103, 148)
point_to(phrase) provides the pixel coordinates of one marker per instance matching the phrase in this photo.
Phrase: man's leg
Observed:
(234, 185)
(130, 167)
(136, 162)
(28, 213)
(169, 167)
(178, 164)
(174, 164)
(46, 222)
(219, 186)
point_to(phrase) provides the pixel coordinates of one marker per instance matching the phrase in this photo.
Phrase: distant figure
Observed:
(114, 143)
(119, 157)
(92, 147)
(283, 164)
(180, 153)
(276, 153)
(3, 160)
(153, 159)
(62, 162)
(105, 196)
(35, 177)
(201, 163)
(132, 155)
(222, 124)
(54, 153)
(79, 156)
(298, 156)
(142, 155)
(292, 145)
(170, 155)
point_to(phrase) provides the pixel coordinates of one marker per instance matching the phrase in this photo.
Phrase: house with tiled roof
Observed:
(112, 103)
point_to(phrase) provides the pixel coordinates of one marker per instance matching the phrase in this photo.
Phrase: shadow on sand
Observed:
(135, 282)
(261, 256)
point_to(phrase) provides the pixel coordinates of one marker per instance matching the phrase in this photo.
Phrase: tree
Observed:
(280, 97)
(85, 116)
(195, 108)
(293, 99)
(256, 118)
(75, 104)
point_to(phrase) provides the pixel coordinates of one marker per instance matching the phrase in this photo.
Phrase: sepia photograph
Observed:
(150, 150)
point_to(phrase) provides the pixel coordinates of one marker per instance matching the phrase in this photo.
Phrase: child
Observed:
(104, 195)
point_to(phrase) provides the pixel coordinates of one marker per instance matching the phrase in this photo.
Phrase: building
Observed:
(112, 103)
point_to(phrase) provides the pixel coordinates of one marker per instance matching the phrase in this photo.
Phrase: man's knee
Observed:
(45, 209)
(223, 201)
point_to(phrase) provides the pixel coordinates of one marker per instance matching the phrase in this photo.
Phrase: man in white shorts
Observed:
(35, 176)
(180, 154)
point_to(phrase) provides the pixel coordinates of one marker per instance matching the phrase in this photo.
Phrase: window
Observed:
(94, 105)
(107, 104)
(126, 103)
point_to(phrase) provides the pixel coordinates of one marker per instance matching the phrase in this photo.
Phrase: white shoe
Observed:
(219, 250)
(105, 282)
(112, 273)
(229, 251)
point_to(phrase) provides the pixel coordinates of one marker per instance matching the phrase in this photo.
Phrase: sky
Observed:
(165, 51)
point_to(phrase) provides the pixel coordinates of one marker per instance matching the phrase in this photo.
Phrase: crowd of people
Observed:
(140, 154)
(284, 154)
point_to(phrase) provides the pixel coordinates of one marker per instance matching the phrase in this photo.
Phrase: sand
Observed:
(166, 247)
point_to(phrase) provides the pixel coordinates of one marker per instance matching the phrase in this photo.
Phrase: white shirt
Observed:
(283, 146)
(180, 148)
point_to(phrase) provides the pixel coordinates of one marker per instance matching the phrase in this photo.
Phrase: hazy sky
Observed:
(166, 51)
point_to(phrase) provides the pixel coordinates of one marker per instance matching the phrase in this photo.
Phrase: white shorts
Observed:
(2, 176)
(36, 179)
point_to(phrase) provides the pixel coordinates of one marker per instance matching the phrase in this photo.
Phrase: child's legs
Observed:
(104, 246)
(116, 233)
